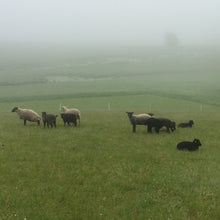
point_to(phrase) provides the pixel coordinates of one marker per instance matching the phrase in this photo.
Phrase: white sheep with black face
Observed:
(140, 119)
(74, 111)
(27, 115)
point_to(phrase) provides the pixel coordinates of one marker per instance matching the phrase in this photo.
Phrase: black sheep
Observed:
(187, 145)
(49, 119)
(185, 125)
(69, 118)
(158, 123)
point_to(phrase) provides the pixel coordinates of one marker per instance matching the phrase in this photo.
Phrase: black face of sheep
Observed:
(151, 114)
(187, 145)
(130, 114)
(14, 109)
(191, 122)
(173, 126)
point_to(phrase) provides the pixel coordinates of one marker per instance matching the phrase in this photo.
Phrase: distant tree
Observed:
(171, 40)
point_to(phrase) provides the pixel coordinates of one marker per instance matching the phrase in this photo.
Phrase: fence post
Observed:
(109, 106)
(201, 108)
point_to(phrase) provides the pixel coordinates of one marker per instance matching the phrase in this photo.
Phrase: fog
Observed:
(105, 22)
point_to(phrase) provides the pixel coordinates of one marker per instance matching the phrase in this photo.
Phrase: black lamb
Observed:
(187, 145)
(158, 123)
(185, 125)
(49, 119)
(69, 118)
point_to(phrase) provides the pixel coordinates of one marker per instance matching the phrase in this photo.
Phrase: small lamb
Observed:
(49, 119)
(159, 123)
(69, 118)
(187, 145)
(73, 111)
(185, 125)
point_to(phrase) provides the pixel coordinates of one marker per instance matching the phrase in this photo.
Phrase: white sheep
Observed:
(74, 111)
(27, 115)
(140, 119)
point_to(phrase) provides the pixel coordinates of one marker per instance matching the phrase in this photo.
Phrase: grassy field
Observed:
(101, 170)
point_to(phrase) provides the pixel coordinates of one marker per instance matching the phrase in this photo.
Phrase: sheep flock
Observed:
(72, 115)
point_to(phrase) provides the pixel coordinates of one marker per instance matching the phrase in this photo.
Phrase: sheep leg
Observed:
(24, 122)
(157, 129)
(149, 129)
(134, 128)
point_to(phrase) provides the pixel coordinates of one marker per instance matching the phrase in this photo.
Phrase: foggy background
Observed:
(109, 22)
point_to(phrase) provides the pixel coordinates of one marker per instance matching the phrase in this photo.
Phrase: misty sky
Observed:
(109, 21)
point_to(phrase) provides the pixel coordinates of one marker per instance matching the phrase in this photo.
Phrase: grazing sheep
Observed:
(73, 111)
(69, 118)
(27, 115)
(187, 145)
(49, 119)
(158, 123)
(140, 119)
(184, 125)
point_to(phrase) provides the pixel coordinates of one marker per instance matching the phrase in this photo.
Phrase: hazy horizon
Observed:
(98, 22)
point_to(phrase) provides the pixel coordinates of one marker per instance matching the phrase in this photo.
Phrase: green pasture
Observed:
(100, 169)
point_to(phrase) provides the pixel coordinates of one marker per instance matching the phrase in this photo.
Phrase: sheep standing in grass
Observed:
(140, 119)
(159, 123)
(74, 111)
(187, 145)
(27, 115)
(69, 118)
(185, 125)
(49, 119)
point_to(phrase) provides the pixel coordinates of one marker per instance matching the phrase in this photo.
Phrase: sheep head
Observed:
(44, 114)
(173, 123)
(197, 142)
(130, 114)
(14, 109)
(63, 108)
(191, 122)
